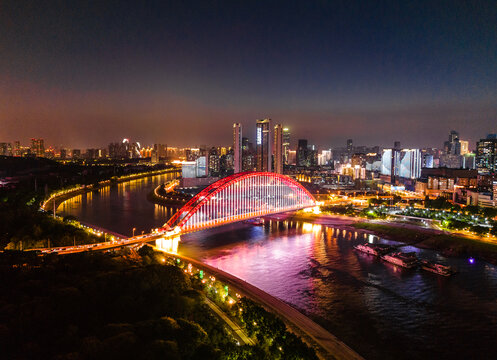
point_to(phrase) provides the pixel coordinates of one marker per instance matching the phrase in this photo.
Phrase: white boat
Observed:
(373, 249)
(406, 260)
(436, 268)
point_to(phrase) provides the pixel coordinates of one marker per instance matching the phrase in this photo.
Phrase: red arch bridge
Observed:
(239, 197)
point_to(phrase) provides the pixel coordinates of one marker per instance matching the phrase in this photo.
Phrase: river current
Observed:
(380, 310)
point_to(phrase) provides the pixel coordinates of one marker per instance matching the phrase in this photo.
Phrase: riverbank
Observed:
(328, 345)
(169, 199)
(426, 238)
(60, 196)
(447, 244)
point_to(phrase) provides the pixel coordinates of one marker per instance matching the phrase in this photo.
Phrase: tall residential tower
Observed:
(237, 147)
(286, 145)
(263, 142)
(278, 149)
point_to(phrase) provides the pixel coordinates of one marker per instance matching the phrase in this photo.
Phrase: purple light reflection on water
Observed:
(382, 311)
(361, 299)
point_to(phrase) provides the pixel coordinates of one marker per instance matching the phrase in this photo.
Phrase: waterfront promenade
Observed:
(295, 320)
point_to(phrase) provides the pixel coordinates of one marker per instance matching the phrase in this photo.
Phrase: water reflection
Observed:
(121, 207)
(360, 298)
(382, 311)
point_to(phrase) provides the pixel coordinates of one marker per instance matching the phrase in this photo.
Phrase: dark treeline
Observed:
(95, 306)
(22, 225)
(122, 306)
(44, 175)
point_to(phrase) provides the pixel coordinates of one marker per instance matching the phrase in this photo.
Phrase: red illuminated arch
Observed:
(241, 196)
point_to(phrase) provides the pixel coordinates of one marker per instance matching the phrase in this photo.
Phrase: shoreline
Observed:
(450, 245)
(297, 321)
(58, 199)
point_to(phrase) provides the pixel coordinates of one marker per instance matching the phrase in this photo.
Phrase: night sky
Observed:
(83, 74)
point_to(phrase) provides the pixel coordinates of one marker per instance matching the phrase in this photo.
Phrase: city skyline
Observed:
(251, 135)
(82, 75)
(277, 179)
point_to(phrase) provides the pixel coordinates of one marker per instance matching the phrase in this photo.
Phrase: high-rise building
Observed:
(237, 147)
(17, 148)
(453, 145)
(38, 147)
(453, 136)
(386, 162)
(468, 161)
(486, 155)
(410, 163)
(405, 163)
(201, 166)
(292, 157)
(286, 145)
(214, 164)
(312, 155)
(428, 161)
(248, 159)
(302, 153)
(325, 157)
(464, 147)
(350, 146)
(76, 154)
(263, 142)
(6, 149)
(278, 149)
(161, 150)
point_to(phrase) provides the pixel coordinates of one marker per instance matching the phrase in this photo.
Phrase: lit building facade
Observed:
(404, 163)
(286, 145)
(486, 154)
(263, 143)
(410, 163)
(237, 147)
(38, 147)
(278, 149)
(302, 153)
(6, 149)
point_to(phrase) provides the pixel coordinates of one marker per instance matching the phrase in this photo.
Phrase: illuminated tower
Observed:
(237, 147)
(263, 140)
(286, 145)
(37, 147)
(278, 149)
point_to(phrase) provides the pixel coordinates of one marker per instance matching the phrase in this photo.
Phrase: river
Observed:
(378, 309)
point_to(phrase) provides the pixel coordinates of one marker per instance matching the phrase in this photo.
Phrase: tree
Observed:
(479, 230)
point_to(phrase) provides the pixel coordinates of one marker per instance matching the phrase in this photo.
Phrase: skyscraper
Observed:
(404, 163)
(350, 146)
(237, 147)
(263, 141)
(17, 148)
(302, 158)
(286, 145)
(486, 155)
(464, 147)
(6, 149)
(452, 145)
(37, 147)
(278, 149)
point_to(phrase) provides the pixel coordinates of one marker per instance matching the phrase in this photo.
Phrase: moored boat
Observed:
(436, 268)
(406, 260)
(373, 249)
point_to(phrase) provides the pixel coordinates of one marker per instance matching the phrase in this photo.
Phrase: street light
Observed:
(134, 232)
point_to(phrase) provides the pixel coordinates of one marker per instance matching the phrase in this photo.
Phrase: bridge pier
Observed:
(168, 243)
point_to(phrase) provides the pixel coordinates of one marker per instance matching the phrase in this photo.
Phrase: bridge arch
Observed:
(239, 197)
